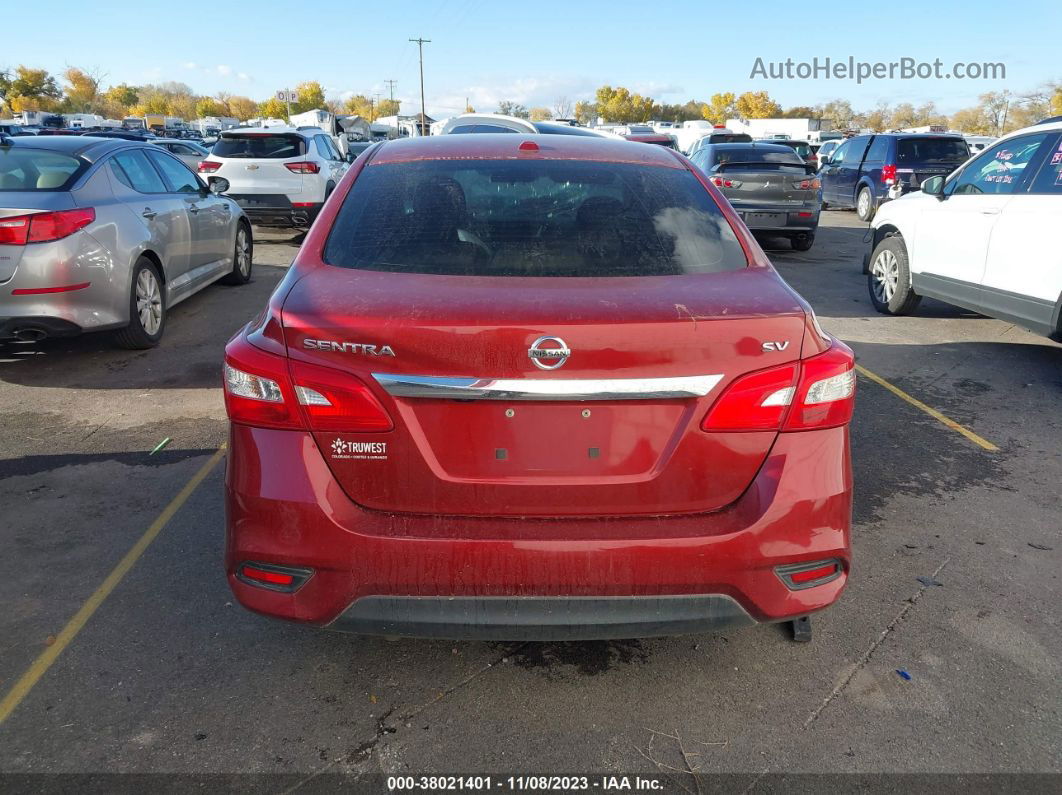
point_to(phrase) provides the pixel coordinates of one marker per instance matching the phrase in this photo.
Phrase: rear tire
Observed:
(889, 280)
(242, 258)
(865, 205)
(147, 308)
(803, 242)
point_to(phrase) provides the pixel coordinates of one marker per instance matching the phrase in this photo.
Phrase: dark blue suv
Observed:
(861, 172)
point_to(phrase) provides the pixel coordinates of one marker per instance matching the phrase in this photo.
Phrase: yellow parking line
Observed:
(41, 665)
(932, 412)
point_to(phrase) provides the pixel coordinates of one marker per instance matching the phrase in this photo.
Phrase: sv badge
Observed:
(776, 346)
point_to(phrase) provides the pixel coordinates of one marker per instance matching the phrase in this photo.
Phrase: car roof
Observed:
(87, 147)
(506, 146)
(767, 147)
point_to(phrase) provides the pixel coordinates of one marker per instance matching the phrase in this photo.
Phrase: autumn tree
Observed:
(838, 113)
(620, 105)
(719, 108)
(585, 112)
(82, 90)
(33, 89)
(121, 94)
(541, 114)
(757, 105)
(800, 112)
(310, 97)
(562, 108)
(878, 119)
(208, 107)
(243, 108)
(688, 111)
(361, 105)
(972, 121)
(389, 107)
(273, 108)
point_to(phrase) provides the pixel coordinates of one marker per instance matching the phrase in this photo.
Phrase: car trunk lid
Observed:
(614, 429)
(14, 204)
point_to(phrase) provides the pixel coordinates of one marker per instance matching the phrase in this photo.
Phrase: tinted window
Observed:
(531, 218)
(999, 169)
(178, 178)
(729, 138)
(879, 150)
(853, 153)
(480, 128)
(564, 129)
(1049, 180)
(134, 171)
(753, 155)
(23, 168)
(260, 146)
(931, 150)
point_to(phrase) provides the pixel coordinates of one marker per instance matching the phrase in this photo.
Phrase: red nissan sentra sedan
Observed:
(535, 387)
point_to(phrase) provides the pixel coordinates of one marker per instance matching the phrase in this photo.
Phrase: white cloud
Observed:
(191, 65)
(223, 69)
(243, 77)
(528, 91)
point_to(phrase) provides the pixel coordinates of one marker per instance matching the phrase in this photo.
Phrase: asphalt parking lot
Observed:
(957, 544)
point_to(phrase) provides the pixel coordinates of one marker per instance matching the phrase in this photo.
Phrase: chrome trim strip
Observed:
(429, 386)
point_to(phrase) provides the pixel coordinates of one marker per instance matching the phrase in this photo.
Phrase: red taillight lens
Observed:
(722, 182)
(774, 400)
(755, 402)
(332, 400)
(273, 577)
(888, 174)
(807, 184)
(798, 576)
(303, 167)
(44, 227)
(208, 166)
(826, 395)
(258, 391)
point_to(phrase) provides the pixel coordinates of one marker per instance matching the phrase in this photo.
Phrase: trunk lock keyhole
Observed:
(510, 413)
(586, 414)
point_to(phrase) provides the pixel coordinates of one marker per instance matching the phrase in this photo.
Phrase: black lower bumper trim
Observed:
(541, 617)
(46, 326)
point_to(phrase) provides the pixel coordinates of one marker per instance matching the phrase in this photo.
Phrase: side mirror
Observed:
(351, 157)
(219, 185)
(934, 186)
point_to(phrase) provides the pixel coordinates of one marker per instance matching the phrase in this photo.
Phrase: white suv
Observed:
(280, 176)
(984, 238)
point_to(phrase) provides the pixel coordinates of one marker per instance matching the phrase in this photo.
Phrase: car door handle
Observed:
(149, 213)
(192, 208)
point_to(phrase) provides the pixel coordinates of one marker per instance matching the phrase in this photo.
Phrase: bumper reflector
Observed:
(272, 577)
(798, 576)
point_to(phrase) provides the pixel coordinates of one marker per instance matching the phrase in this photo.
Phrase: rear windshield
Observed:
(260, 146)
(531, 218)
(26, 169)
(931, 150)
(729, 138)
(783, 157)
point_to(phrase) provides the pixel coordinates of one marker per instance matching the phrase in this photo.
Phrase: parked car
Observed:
(983, 238)
(125, 135)
(770, 186)
(866, 170)
(279, 176)
(497, 123)
(803, 148)
(607, 416)
(826, 148)
(11, 129)
(108, 234)
(718, 135)
(188, 152)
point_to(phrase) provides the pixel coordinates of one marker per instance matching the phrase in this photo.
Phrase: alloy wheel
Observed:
(149, 302)
(243, 252)
(885, 275)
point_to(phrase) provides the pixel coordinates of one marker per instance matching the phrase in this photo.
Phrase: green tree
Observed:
(507, 108)
(719, 108)
(123, 95)
(310, 97)
(757, 105)
(620, 105)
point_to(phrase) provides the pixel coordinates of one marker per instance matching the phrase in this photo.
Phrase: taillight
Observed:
(208, 166)
(260, 391)
(814, 393)
(807, 184)
(332, 400)
(888, 173)
(303, 167)
(44, 227)
(798, 576)
(726, 182)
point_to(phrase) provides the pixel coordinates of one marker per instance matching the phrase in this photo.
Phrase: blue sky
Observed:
(536, 50)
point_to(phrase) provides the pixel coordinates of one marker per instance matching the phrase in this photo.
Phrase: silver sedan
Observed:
(103, 233)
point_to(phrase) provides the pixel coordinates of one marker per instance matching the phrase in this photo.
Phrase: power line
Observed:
(391, 87)
(423, 114)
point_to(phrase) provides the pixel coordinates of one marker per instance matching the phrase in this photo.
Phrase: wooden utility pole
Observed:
(423, 114)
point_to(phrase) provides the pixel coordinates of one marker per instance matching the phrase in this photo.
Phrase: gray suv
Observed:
(102, 233)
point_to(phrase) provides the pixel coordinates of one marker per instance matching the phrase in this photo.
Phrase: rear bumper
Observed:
(509, 578)
(282, 216)
(795, 219)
